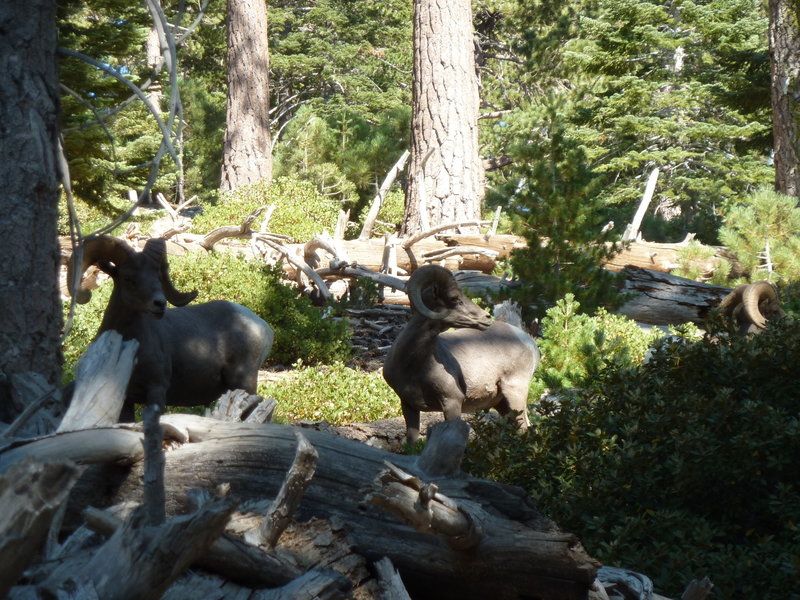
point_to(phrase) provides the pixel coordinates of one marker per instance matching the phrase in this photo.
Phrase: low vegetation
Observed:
(334, 393)
(680, 467)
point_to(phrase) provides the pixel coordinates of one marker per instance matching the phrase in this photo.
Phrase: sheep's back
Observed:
(208, 340)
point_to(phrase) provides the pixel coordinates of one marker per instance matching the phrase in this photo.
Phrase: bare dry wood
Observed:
(138, 562)
(30, 494)
(377, 201)
(664, 299)
(520, 549)
(154, 512)
(239, 405)
(90, 446)
(228, 556)
(391, 585)
(245, 230)
(282, 510)
(422, 506)
(409, 242)
(358, 272)
(101, 378)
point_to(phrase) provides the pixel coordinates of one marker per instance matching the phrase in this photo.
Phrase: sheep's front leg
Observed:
(451, 408)
(411, 416)
(157, 395)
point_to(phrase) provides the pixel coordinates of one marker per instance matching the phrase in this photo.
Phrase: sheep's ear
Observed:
(172, 295)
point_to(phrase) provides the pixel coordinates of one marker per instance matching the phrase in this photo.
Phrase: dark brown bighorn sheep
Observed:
(751, 305)
(480, 364)
(187, 356)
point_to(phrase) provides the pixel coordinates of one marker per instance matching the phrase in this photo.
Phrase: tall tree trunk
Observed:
(784, 46)
(247, 154)
(30, 317)
(446, 173)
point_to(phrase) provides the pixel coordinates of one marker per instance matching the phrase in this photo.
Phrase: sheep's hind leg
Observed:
(515, 398)
(238, 377)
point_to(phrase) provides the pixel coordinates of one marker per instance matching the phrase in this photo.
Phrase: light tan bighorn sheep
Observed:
(187, 356)
(480, 364)
(751, 305)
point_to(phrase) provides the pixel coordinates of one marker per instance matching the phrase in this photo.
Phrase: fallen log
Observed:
(30, 494)
(519, 551)
(664, 299)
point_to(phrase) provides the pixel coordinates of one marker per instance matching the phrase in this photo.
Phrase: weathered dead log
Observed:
(664, 299)
(228, 556)
(664, 257)
(139, 562)
(282, 510)
(239, 405)
(520, 549)
(90, 446)
(391, 585)
(101, 378)
(30, 494)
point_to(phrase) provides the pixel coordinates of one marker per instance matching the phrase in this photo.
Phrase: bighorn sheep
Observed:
(481, 364)
(750, 305)
(187, 356)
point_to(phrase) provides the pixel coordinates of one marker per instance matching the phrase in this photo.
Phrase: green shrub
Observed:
(333, 393)
(575, 346)
(84, 326)
(682, 467)
(301, 330)
(300, 211)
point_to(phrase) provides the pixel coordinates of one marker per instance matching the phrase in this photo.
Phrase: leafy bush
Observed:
(575, 346)
(84, 326)
(301, 330)
(682, 467)
(301, 212)
(333, 393)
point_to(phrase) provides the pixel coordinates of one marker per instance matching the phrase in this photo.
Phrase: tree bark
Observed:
(247, 152)
(445, 176)
(30, 320)
(784, 46)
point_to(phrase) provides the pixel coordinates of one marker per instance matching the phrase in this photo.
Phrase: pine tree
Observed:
(555, 198)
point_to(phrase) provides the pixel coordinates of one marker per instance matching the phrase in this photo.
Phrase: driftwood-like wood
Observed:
(391, 584)
(139, 562)
(101, 378)
(228, 556)
(663, 257)
(30, 494)
(282, 510)
(520, 549)
(90, 446)
(664, 299)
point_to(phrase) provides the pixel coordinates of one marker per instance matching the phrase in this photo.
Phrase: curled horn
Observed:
(156, 251)
(98, 250)
(421, 279)
(756, 294)
(734, 298)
